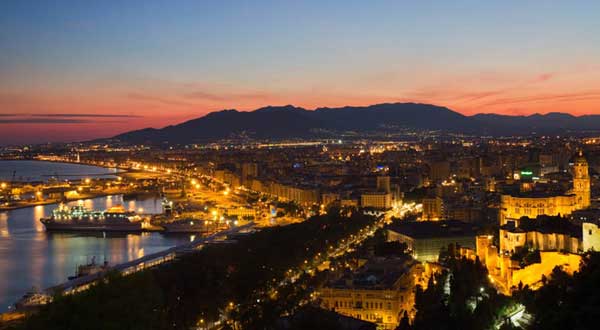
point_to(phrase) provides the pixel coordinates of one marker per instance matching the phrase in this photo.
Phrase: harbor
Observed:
(84, 281)
(32, 257)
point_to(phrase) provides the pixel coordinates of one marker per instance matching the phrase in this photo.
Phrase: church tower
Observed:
(581, 181)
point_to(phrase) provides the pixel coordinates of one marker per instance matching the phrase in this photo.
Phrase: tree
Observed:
(404, 322)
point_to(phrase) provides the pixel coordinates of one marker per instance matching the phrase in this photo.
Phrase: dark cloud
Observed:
(8, 115)
(202, 95)
(84, 115)
(567, 97)
(475, 96)
(32, 120)
(145, 97)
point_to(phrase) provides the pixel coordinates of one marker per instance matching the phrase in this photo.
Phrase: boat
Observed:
(33, 298)
(90, 268)
(79, 218)
(167, 207)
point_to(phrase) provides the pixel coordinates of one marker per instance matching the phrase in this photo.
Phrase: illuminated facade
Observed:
(581, 182)
(433, 209)
(528, 205)
(591, 236)
(508, 274)
(378, 200)
(511, 240)
(380, 292)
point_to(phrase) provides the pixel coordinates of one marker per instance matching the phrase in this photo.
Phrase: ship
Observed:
(32, 299)
(90, 269)
(79, 218)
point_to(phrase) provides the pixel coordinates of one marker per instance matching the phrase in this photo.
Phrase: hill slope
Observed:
(293, 122)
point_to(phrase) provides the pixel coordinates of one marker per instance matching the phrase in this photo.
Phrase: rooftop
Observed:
(376, 274)
(433, 229)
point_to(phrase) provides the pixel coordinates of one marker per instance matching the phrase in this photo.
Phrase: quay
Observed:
(152, 260)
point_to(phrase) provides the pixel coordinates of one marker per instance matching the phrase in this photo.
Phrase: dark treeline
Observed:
(200, 287)
(459, 298)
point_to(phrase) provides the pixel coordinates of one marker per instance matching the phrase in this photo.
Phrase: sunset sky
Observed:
(73, 70)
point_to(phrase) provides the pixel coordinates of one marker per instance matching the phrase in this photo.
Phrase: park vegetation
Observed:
(221, 282)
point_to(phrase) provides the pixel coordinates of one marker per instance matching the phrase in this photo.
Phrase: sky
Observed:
(76, 70)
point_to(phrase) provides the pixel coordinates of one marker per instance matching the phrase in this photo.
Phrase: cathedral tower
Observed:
(581, 181)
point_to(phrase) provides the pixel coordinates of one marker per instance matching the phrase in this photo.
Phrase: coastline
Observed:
(118, 169)
(57, 201)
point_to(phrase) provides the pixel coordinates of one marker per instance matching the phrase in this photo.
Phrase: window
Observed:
(590, 231)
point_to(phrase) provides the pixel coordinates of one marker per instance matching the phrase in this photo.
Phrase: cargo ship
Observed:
(79, 218)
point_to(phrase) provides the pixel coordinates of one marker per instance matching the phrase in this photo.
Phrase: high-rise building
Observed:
(439, 171)
(249, 171)
(383, 184)
(433, 209)
(377, 200)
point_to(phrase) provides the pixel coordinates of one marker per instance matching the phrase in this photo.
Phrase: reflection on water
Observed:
(29, 256)
(34, 170)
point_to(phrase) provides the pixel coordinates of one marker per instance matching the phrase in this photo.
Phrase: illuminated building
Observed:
(379, 292)
(425, 239)
(511, 239)
(241, 212)
(433, 209)
(378, 200)
(581, 182)
(508, 272)
(530, 226)
(591, 236)
(249, 171)
(533, 249)
(535, 204)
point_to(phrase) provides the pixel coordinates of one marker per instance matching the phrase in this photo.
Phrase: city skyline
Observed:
(74, 71)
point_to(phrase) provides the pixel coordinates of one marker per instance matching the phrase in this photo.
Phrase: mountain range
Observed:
(281, 122)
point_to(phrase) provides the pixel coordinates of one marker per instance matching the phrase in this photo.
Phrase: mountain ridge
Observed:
(289, 121)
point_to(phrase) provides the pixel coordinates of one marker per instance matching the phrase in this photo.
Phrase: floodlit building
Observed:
(376, 199)
(425, 239)
(433, 209)
(379, 292)
(532, 204)
(591, 236)
(510, 271)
